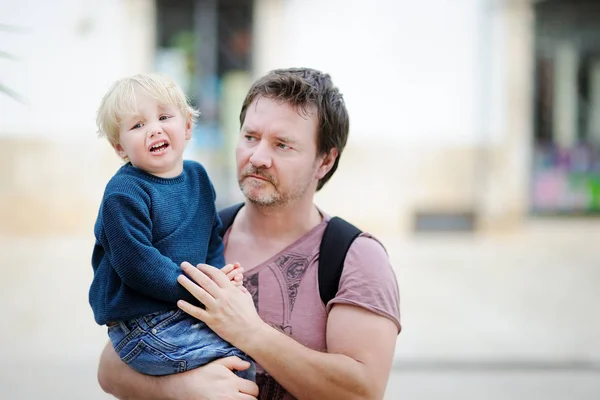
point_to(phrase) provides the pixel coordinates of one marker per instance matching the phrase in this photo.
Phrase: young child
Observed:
(157, 211)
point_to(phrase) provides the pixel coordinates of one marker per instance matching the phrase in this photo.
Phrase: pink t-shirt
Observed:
(286, 293)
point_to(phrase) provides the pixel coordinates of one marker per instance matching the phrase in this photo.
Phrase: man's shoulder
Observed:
(369, 280)
(367, 253)
(366, 242)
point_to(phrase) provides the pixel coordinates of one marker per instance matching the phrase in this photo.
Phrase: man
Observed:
(294, 128)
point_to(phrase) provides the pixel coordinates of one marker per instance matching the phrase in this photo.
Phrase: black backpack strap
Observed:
(227, 215)
(337, 238)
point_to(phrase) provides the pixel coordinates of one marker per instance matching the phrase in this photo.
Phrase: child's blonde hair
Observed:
(120, 101)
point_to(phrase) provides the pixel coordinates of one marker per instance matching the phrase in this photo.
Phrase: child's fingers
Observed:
(228, 268)
(233, 275)
(233, 271)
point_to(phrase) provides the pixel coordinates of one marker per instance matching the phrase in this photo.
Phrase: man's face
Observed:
(276, 154)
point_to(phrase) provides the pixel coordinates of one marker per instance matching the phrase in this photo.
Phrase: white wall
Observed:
(69, 52)
(412, 72)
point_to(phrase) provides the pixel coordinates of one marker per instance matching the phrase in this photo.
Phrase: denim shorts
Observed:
(169, 342)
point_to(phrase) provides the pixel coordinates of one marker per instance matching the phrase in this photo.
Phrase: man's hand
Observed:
(220, 383)
(228, 311)
(213, 381)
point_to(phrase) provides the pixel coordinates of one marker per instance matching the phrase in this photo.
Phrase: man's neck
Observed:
(290, 221)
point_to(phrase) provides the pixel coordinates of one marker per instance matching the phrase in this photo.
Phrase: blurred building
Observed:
(465, 115)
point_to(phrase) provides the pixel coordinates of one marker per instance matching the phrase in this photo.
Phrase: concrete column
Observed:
(140, 42)
(505, 201)
(594, 106)
(566, 62)
(268, 36)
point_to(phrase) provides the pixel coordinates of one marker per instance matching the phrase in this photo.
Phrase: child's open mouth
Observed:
(158, 147)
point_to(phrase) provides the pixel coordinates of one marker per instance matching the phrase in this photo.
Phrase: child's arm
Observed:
(127, 244)
(214, 254)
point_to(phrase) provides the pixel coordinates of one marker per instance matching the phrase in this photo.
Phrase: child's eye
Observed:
(163, 117)
(137, 126)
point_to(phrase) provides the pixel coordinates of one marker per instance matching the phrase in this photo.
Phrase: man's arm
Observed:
(357, 366)
(211, 382)
(360, 342)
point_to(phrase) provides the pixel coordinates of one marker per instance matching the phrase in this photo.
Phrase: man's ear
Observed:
(326, 163)
(120, 151)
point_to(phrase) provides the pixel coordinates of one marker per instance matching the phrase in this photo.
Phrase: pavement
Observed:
(505, 316)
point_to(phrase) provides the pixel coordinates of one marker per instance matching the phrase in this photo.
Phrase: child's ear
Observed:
(120, 151)
(188, 127)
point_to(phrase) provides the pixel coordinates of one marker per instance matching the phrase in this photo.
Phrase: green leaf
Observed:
(4, 54)
(11, 93)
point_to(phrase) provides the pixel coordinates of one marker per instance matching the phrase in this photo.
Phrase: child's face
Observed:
(154, 138)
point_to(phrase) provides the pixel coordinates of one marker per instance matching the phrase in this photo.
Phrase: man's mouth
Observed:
(256, 177)
(155, 148)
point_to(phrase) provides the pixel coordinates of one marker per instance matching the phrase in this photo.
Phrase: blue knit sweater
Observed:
(146, 227)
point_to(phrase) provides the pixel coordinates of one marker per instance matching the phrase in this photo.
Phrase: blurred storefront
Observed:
(566, 162)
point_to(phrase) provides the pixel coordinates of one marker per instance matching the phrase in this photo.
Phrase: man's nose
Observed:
(261, 156)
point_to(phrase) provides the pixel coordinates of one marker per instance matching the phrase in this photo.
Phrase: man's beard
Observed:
(259, 193)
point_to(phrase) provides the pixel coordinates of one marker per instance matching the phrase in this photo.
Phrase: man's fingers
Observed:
(196, 291)
(215, 275)
(233, 362)
(243, 396)
(192, 310)
(203, 281)
(246, 387)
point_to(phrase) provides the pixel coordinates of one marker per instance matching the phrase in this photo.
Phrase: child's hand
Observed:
(235, 273)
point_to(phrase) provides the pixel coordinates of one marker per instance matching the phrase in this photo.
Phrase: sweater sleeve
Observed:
(128, 245)
(215, 256)
(215, 253)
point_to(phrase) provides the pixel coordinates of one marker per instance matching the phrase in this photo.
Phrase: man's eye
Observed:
(283, 146)
(250, 138)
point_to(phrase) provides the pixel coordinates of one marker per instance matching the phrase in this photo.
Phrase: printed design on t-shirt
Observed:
(293, 268)
(268, 388)
(251, 284)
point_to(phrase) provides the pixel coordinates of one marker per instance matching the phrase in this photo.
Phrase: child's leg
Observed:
(135, 346)
(171, 342)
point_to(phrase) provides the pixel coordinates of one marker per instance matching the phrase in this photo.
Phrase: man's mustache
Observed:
(260, 172)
